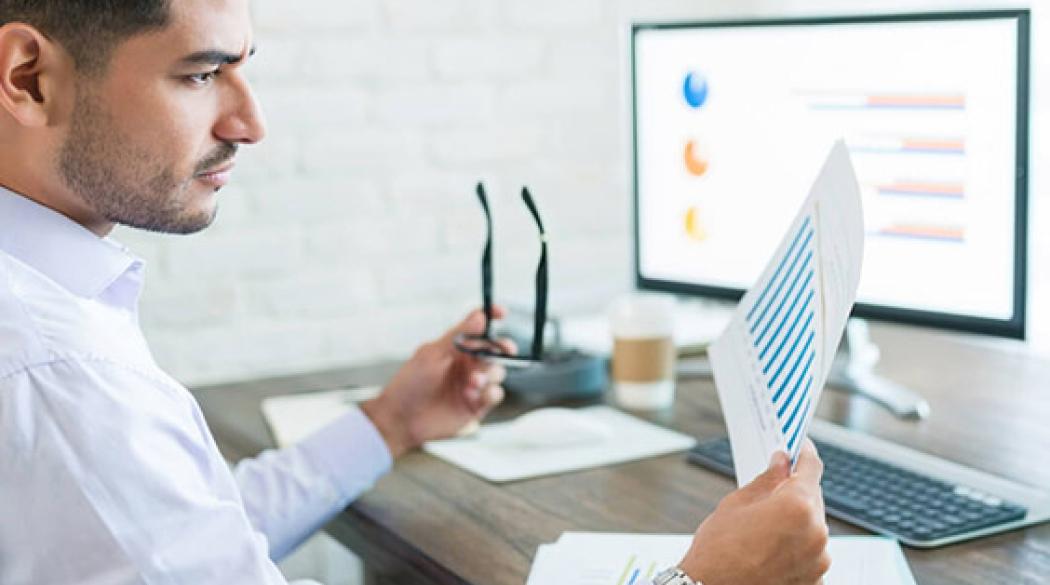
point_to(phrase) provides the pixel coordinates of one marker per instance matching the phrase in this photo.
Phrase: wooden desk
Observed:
(428, 522)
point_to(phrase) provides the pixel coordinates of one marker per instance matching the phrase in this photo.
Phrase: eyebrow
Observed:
(214, 57)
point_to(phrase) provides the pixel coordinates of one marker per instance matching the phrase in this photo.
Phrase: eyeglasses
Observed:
(484, 345)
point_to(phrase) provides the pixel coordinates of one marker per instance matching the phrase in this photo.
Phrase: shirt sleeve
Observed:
(291, 493)
(106, 476)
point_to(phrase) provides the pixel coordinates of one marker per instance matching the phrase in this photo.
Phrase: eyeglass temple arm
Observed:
(486, 261)
(542, 278)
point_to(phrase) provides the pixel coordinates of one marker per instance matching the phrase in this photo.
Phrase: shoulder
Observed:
(103, 457)
(19, 339)
(40, 321)
(109, 430)
(91, 405)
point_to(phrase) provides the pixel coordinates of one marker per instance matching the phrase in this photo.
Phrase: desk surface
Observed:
(428, 522)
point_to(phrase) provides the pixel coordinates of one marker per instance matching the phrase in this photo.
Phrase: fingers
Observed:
(508, 346)
(474, 323)
(778, 472)
(486, 375)
(497, 374)
(816, 540)
(481, 401)
(809, 467)
(479, 391)
(491, 398)
(779, 466)
(469, 429)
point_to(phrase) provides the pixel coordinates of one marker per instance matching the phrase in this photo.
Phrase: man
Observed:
(131, 112)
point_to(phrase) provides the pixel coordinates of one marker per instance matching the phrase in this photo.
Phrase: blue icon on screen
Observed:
(695, 89)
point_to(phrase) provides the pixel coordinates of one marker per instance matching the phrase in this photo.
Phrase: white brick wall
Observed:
(352, 232)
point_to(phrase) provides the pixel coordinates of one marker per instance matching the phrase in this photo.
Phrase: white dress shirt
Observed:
(108, 472)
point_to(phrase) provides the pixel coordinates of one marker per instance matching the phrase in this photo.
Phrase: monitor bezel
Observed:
(1015, 326)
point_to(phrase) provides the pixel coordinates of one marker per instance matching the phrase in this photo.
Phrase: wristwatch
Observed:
(674, 576)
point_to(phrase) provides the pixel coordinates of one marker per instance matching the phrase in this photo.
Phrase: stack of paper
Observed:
(580, 558)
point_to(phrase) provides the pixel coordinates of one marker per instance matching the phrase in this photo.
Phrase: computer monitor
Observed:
(732, 120)
(731, 123)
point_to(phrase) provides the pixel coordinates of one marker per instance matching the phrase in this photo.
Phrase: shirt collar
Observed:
(67, 253)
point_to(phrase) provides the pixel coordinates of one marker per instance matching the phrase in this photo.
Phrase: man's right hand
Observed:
(771, 531)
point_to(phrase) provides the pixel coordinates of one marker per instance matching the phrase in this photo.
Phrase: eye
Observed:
(202, 78)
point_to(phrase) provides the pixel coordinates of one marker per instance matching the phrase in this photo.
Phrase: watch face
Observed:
(673, 576)
(666, 577)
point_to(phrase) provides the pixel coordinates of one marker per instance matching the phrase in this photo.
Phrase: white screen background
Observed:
(764, 138)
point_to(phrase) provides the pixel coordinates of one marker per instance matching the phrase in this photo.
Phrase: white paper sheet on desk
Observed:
(497, 461)
(296, 416)
(580, 558)
(771, 362)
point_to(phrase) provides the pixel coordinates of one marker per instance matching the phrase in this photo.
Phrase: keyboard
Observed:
(916, 509)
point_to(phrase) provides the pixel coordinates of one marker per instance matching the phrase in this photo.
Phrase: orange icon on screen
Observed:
(694, 227)
(695, 163)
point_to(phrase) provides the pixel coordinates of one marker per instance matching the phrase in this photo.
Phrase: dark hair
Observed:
(88, 29)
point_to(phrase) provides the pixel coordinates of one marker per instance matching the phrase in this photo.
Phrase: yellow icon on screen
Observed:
(694, 227)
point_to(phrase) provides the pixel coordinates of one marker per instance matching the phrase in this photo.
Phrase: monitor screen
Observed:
(732, 121)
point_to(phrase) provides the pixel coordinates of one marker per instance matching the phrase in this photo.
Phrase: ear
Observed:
(29, 63)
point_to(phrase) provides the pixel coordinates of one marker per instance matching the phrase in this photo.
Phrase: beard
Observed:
(124, 184)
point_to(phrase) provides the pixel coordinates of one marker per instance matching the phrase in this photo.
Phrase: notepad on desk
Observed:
(486, 454)
(296, 416)
(581, 558)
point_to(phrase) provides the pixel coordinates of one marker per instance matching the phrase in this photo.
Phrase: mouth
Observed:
(217, 177)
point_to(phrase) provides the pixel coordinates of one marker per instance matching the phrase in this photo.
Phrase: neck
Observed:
(71, 207)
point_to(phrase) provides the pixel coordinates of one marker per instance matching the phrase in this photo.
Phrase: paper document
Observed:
(580, 558)
(867, 560)
(489, 455)
(771, 362)
(296, 416)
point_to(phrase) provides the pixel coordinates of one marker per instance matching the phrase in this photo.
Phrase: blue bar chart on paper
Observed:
(782, 330)
(771, 361)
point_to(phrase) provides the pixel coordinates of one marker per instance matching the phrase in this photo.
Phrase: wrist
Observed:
(695, 568)
(393, 431)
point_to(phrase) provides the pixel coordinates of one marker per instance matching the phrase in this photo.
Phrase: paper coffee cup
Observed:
(643, 362)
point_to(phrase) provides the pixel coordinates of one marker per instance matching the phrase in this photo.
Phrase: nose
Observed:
(244, 123)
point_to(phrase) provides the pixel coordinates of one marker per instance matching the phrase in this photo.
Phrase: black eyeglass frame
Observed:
(484, 345)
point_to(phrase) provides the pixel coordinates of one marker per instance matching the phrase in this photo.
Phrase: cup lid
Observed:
(642, 315)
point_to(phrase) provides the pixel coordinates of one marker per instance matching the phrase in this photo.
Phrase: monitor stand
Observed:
(853, 372)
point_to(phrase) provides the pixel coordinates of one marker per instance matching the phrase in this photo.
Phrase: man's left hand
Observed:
(439, 391)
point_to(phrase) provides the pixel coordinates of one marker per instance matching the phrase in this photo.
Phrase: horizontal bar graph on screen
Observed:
(952, 234)
(782, 329)
(907, 145)
(930, 189)
(883, 100)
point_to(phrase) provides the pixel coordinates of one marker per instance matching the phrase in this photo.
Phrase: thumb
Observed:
(778, 472)
(809, 468)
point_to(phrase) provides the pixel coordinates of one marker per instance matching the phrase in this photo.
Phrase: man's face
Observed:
(152, 140)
